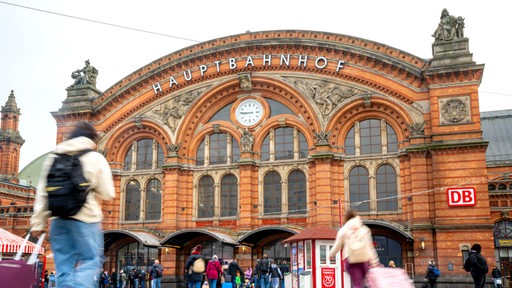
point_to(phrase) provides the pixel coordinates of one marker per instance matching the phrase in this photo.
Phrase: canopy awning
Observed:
(11, 243)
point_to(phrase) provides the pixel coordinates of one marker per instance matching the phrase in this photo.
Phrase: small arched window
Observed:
(132, 201)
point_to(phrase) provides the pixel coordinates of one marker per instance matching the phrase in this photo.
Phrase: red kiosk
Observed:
(310, 263)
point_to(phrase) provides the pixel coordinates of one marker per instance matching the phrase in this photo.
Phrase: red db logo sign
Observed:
(461, 196)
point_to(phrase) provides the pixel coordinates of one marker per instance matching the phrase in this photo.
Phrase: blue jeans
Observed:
(156, 282)
(264, 281)
(195, 284)
(212, 283)
(78, 252)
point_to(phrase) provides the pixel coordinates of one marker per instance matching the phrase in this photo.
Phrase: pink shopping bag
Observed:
(18, 273)
(386, 277)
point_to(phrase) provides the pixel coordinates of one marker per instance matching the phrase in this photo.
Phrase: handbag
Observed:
(386, 277)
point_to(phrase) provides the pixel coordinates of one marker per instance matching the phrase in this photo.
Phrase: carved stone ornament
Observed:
(172, 149)
(455, 110)
(245, 81)
(323, 137)
(417, 129)
(247, 141)
(173, 110)
(326, 95)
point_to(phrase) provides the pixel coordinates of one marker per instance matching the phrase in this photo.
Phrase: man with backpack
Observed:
(264, 271)
(432, 274)
(195, 267)
(76, 240)
(156, 274)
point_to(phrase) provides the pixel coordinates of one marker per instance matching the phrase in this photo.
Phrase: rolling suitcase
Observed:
(17, 273)
(386, 277)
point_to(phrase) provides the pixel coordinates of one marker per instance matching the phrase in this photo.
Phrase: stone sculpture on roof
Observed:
(85, 76)
(449, 28)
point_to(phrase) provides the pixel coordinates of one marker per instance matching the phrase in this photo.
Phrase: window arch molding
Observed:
(212, 128)
(121, 140)
(229, 91)
(275, 123)
(397, 117)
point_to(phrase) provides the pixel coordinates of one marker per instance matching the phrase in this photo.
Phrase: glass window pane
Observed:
(159, 156)
(222, 114)
(218, 148)
(297, 193)
(350, 144)
(392, 139)
(272, 194)
(200, 155)
(144, 154)
(283, 143)
(359, 189)
(132, 201)
(277, 108)
(303, 146)
(206, 197)
(229, 196)
(235, 151)
(370, 136)
(265, 149)
(128, 159)
(386, 189)
(153, 200)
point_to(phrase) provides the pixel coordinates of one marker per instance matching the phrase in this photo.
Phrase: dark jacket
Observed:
(233, 268)
(496, 273)
(191, 275)
(430, 272)
(476, 264)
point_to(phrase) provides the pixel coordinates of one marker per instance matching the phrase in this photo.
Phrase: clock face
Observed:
(249, 112)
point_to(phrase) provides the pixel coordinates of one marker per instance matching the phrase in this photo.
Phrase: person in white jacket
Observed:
(77, 242)
(358, 252)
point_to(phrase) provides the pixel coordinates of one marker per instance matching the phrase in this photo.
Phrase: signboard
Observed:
(328, 277)
(461, 196)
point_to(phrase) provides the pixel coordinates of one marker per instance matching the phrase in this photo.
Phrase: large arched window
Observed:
(148, 154)
(217, 148)
(153, 200)
(359, 189)
(372, 136)
(297, 195)
(206, 197)
(132, 201)
(229, 196)
(272, 193)
(286, 143)
(371, 149)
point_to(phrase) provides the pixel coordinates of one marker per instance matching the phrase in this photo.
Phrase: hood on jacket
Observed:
(75, 145)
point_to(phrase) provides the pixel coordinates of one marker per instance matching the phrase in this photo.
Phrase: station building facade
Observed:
(241, 142)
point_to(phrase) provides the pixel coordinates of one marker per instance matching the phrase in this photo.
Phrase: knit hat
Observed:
(197, 249)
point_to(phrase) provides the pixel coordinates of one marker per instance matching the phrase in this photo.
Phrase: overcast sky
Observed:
(45, 40)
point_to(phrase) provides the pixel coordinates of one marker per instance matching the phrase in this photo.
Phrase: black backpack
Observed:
(66, 185)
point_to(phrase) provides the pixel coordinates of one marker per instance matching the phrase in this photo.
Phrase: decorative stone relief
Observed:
(245, 81)
(455, 110)
(417, 129)
(326, 95)
(172, 149)
(173, 110)
(323, 137)
(247, 141)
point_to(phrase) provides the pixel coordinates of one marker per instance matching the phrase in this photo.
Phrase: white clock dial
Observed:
(249, 112)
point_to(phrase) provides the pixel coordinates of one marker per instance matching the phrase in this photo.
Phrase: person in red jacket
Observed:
(213, 270)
